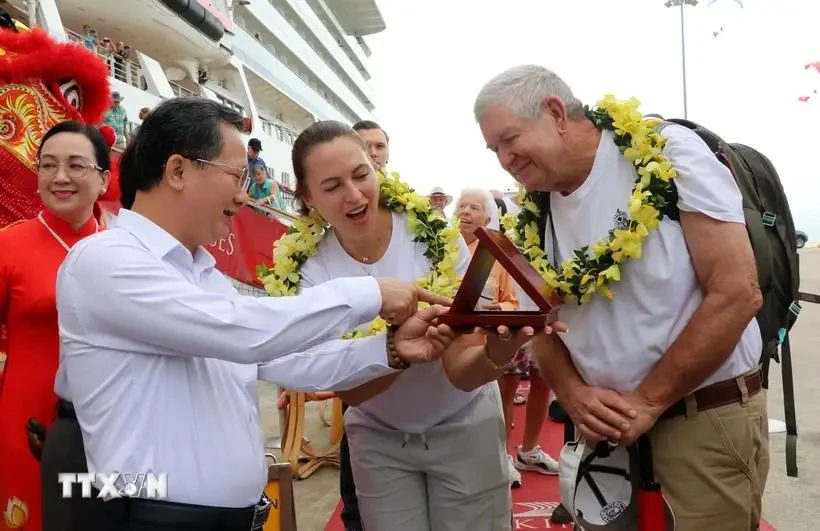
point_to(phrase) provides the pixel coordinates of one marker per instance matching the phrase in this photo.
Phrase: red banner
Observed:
(248, 244)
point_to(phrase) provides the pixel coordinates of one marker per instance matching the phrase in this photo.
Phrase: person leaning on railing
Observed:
(265, 191)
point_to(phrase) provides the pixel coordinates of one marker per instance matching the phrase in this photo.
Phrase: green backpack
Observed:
(773, 237)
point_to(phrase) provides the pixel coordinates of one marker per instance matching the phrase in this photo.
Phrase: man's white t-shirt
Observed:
(616, 343)
(422, 396)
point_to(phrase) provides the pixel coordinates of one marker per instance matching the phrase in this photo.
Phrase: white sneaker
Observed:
(515, 475)
(537, 460)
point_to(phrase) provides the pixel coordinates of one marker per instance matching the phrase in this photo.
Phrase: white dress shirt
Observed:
(156, 346)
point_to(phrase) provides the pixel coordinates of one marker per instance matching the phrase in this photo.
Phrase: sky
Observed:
(743, 84)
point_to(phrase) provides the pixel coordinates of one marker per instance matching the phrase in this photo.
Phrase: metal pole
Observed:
(682, 4)
(31, 6)
(683, 59)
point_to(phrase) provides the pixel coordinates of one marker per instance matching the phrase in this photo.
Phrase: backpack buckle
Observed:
(768, 218)
(795, 308)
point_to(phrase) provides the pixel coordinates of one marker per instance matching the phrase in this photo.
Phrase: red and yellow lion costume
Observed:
(42, 82)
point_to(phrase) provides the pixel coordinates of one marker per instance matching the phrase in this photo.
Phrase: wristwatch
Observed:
(393, 359)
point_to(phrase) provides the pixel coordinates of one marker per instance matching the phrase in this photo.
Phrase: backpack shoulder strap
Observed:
(772, 199)
(542, 201)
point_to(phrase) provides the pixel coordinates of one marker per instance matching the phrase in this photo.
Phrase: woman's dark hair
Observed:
(91, 133)
(316, 134)
(189, 127)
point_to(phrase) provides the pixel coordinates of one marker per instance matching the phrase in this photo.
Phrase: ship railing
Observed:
(281, 132)
(273, 211)
(182, 92)
(123, 69)
(288, 198)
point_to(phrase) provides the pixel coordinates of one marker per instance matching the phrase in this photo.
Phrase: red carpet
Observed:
(539, 495)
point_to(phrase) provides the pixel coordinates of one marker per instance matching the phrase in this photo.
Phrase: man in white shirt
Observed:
(675, 354)
(157, 348)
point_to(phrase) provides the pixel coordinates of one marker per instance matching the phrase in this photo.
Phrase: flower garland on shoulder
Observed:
(303, 237)
(593, 267)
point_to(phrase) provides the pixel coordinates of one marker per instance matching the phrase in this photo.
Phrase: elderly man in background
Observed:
(439, 200)
(674, 354)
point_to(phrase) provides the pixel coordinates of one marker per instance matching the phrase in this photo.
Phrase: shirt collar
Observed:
(159, 241)
(65, 230)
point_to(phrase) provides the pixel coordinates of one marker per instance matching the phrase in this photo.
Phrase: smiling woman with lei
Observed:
(302, 241)
(407, 431)
(592, 268)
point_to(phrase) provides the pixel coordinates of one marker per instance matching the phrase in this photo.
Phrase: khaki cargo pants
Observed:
(713, 464)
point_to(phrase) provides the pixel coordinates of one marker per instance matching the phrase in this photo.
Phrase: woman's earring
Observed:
(315, 213)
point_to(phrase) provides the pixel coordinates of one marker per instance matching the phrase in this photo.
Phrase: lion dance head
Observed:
(42, 82)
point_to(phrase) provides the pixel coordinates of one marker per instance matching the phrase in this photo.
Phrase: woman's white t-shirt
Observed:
(616, 343)
(422, 396)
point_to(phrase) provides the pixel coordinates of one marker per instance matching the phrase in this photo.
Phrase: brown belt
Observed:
(718, 394)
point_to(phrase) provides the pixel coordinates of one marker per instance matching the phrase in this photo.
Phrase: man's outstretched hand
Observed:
(413, 342)
(400, 300)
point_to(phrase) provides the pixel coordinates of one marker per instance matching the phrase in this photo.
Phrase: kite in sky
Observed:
(739, 4)
(816, 66)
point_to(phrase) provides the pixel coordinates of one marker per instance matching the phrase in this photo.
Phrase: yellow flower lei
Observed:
(594, 267)
(302, 241)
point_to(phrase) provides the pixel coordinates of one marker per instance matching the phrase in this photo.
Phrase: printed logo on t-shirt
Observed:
(621, 220)
(612, 511)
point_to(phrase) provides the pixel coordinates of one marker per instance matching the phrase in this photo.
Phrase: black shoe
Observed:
(557, 413)
(560, 516)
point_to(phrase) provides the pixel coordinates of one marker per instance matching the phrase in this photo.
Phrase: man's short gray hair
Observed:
(522, 89)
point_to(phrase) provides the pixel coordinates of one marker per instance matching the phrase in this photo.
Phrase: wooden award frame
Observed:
(494, 246)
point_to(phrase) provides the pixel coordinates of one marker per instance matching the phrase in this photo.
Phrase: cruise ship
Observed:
(284, 64)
